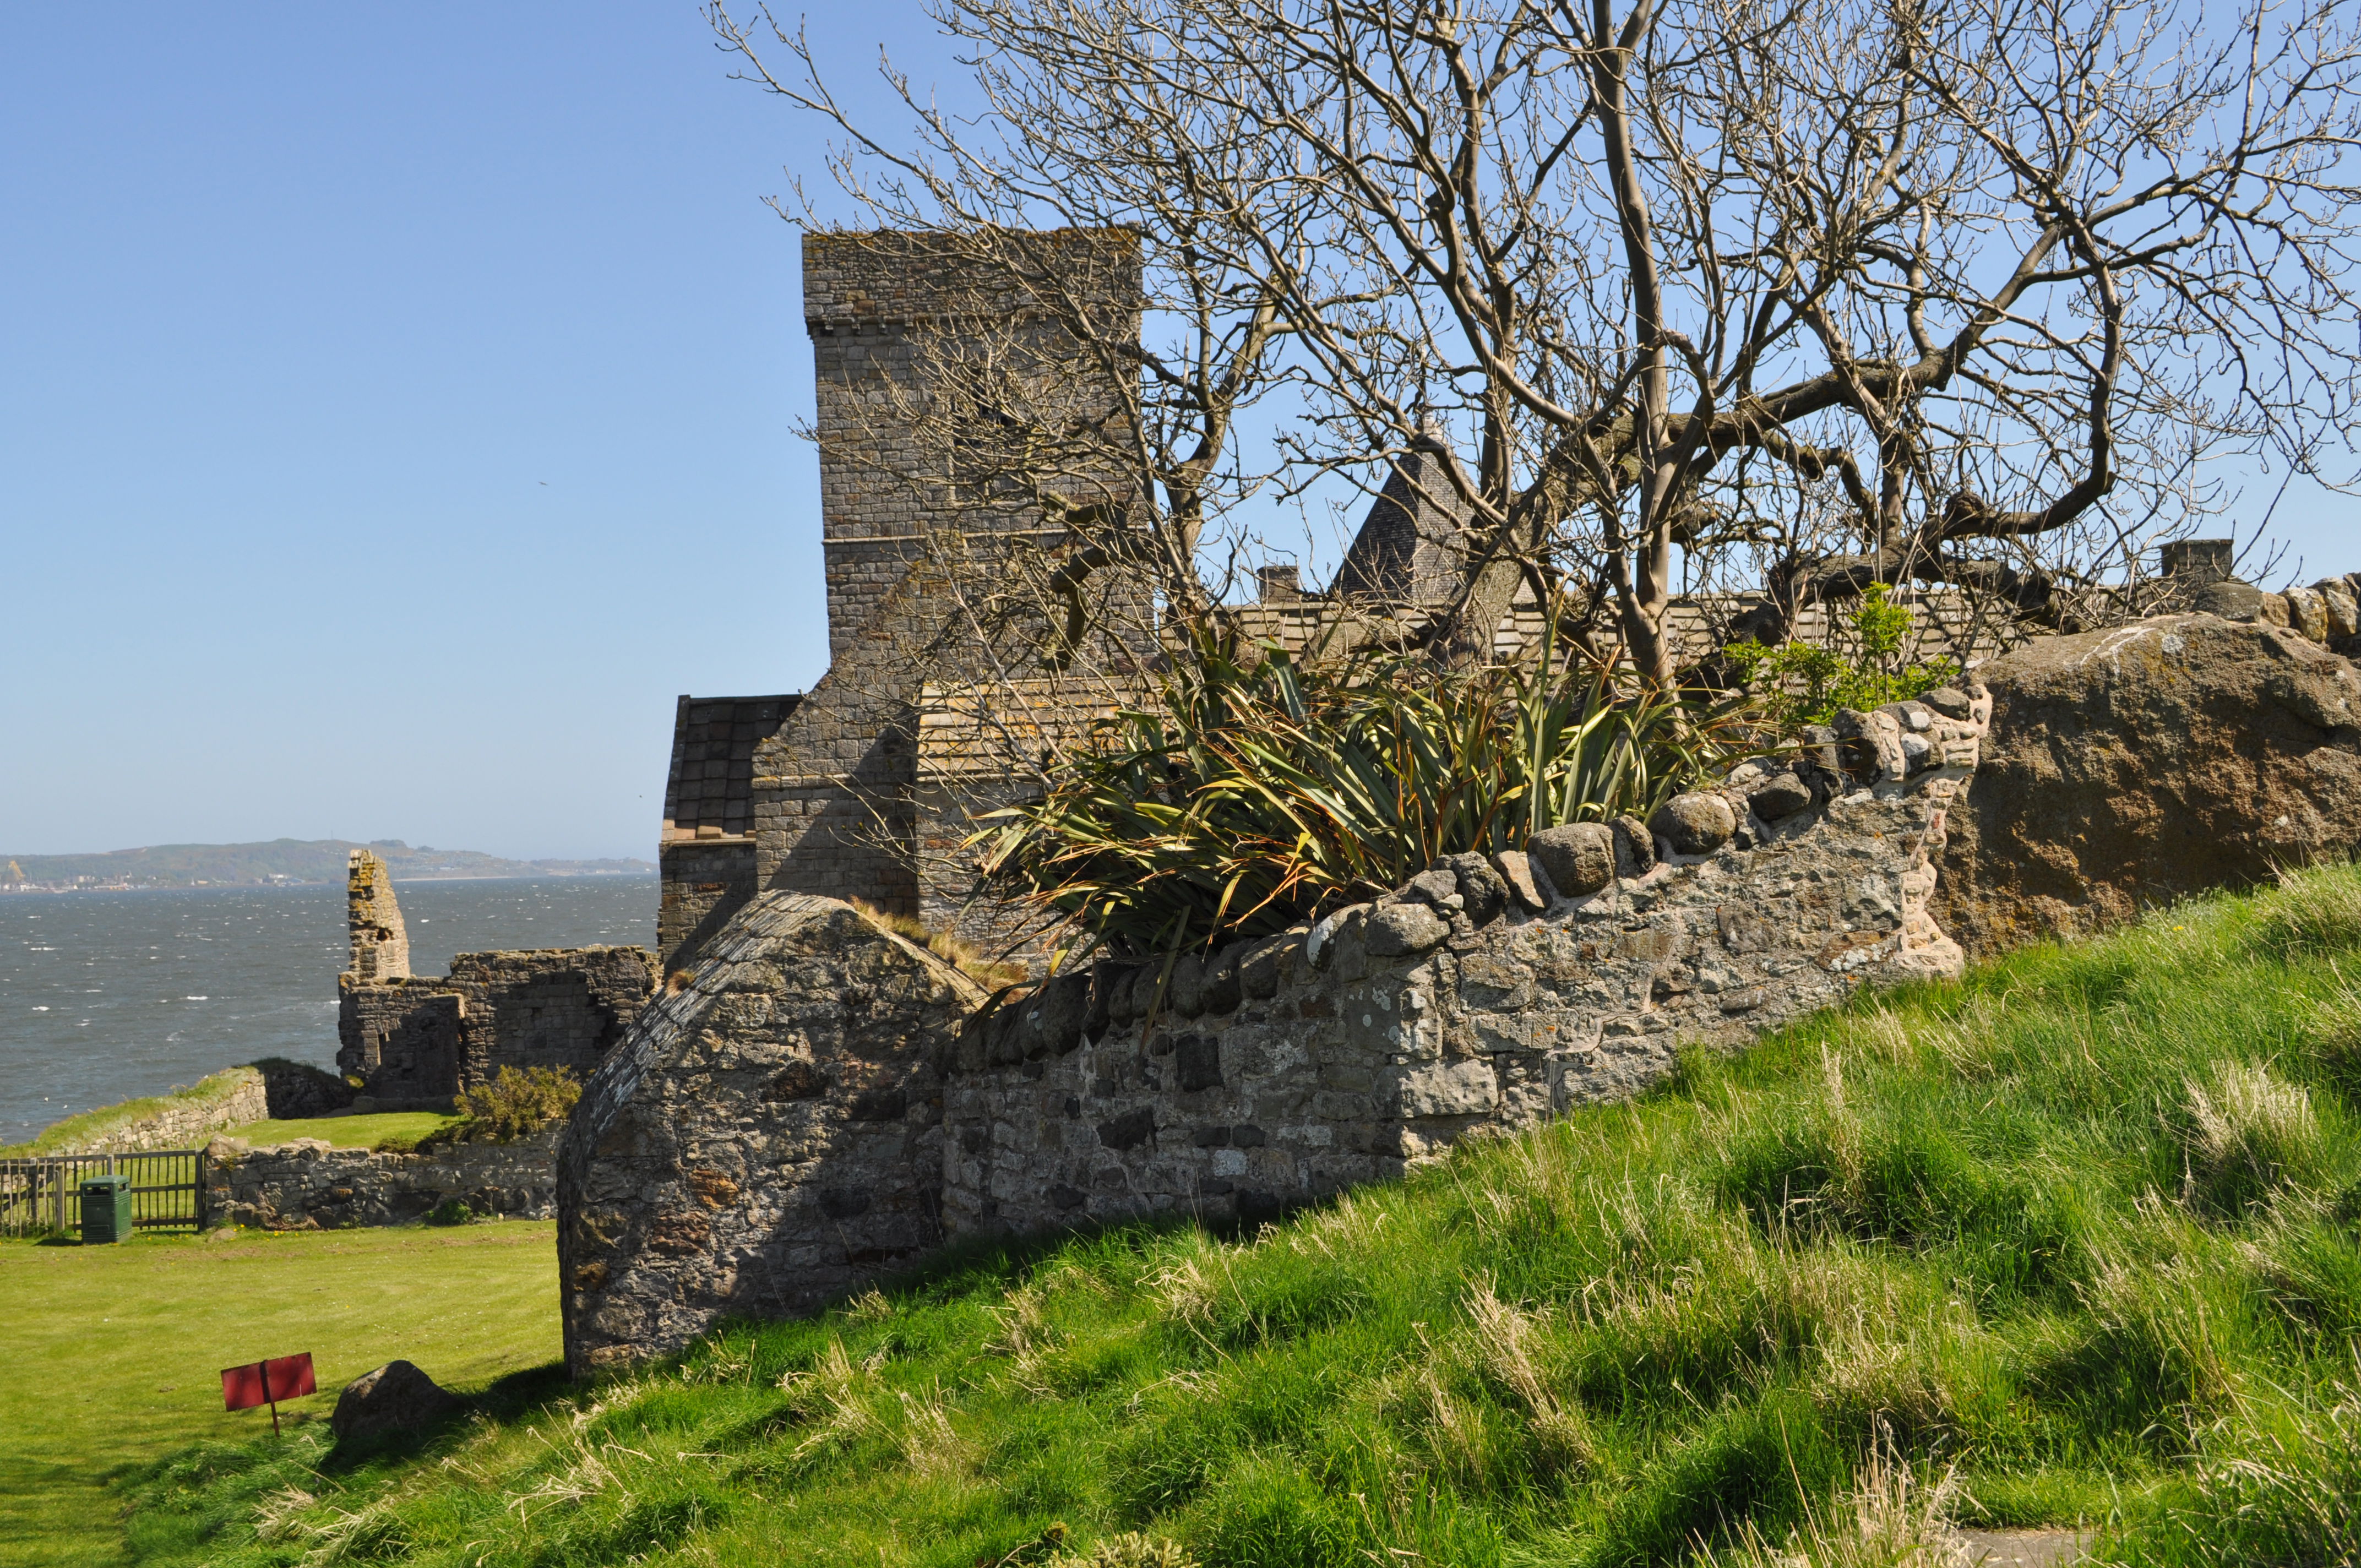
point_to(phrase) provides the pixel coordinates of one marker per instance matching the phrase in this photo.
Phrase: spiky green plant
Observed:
(1255, 791)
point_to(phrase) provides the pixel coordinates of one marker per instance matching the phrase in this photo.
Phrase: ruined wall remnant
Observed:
(2144, 764)
(414, 1041)
(381, 942)
(769, 1137)
(309, 1185)
(818, 1104)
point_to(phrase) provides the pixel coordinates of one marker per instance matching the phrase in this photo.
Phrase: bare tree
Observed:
(1801, 293)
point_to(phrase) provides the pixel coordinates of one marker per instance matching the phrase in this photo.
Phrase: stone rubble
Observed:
(395, 1399)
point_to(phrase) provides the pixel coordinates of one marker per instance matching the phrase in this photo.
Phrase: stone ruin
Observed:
(411, 1042)
(2146, 763)
(814, 1102)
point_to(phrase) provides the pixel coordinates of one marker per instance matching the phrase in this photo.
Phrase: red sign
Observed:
(268, 1382)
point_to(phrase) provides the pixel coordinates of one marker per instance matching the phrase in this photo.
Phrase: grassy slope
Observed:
(112, 1353)
(91, 1125)
(2083, 1227)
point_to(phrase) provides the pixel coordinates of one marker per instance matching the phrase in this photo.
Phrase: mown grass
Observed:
(113, 1353)
(392, 1130)
(2072, 1240)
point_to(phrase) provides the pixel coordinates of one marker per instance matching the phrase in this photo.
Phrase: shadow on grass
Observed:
(1000, 1262)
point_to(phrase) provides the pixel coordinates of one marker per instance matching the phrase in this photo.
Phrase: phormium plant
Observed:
(1253, 790)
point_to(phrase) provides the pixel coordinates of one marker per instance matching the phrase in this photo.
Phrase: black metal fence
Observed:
(44, 1193)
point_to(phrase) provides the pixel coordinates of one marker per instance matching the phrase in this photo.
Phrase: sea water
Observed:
(106, 996)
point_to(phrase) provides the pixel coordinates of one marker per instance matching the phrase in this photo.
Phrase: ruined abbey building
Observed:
(812, 1100)
(865, 786)
(411, 1042)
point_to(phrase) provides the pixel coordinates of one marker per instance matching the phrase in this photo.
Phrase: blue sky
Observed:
(396, 414)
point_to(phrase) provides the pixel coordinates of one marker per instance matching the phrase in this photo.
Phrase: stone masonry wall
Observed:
(704, 884)
(416, 1042)
(1484, 995)
(705, 850)
(381, 942)
(768, 1138)
(308, 1185)
(819, 1102)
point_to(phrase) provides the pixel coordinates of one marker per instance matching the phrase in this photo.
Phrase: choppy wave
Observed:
(167, 986)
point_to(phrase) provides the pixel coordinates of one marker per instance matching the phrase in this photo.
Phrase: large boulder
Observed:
(2129, 767)
(767, 1138)
(396, 1398)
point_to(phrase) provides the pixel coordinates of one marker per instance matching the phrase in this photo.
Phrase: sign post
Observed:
(267, 1383)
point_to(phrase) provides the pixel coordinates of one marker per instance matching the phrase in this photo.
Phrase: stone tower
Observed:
(381, 942)
(909, 333)
(914, 338)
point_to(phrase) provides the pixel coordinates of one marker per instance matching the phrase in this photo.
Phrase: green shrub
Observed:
(1805, 683)
(1255, 792)
(514, 1104)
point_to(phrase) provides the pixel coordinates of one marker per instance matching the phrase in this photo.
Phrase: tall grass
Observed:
(2074, 1240)
(1254, 791)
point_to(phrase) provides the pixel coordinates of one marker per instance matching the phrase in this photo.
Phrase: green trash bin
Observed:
(105, 1209)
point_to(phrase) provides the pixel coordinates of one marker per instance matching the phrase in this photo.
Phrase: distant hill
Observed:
(279, 860)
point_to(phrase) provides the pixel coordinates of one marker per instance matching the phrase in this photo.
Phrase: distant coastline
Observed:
(279, 862)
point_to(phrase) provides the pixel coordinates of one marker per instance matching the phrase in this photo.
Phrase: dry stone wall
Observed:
(309, 1185)
(186, 1123)
(1484, 995)
(818, 1102)
(231, 1098)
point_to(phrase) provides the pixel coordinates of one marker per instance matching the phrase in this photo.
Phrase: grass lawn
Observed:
(402, 1128)
(113, 1353)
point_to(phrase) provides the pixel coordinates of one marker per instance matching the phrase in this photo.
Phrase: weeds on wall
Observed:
(1866, 666)
(1257, 790)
